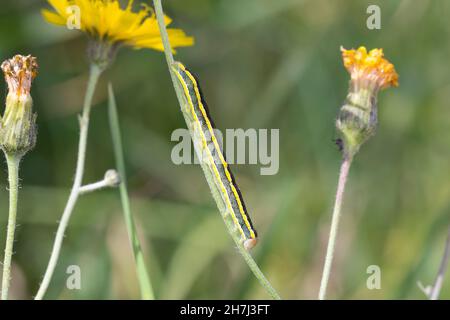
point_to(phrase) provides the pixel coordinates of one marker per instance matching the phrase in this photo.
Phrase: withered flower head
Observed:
(18, 124)
(19, 73)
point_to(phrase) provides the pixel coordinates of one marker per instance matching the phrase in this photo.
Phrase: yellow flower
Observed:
(370, 67)
(106, 21)
(357, 119)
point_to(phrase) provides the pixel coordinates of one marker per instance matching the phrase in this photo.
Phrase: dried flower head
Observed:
(358, 117)
(18, 124)
(19, 73)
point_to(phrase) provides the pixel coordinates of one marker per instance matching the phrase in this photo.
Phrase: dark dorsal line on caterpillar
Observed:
(220, 170)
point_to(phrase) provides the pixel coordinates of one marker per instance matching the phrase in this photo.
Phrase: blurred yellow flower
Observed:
(106, 21)
(370, 67)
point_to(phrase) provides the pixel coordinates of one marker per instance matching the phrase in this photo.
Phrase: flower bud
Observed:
(357, 119)
(18, 124)
(112, 177)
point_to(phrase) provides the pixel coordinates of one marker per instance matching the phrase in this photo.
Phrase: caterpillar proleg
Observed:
(209, 151)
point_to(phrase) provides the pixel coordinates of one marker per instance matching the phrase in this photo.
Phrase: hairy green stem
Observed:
(225, 214)
(345, 167)
(249, 259)
(94, 74)
(13, 177)
(142, 274)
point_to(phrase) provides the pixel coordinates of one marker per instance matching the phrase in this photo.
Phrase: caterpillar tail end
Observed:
(176, 66)
(250, 243)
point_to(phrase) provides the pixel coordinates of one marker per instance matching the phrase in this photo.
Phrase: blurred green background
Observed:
(263, 64)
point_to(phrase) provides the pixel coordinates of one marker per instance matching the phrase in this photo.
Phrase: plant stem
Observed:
(94, 74)
(345, 167)
(143, 277)
(250, 261)
(436, 289)
(102, 184)
(225, 215)
(13, 177)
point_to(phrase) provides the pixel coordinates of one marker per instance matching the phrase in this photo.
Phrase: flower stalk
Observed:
(94, 74)
(18, 124)
(345, 167)
(111, 179)
(13, 178)
(17, 137)
(356, 123)
(433, 291)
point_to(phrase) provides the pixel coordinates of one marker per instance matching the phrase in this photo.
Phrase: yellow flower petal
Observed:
(52, 17)
(105, 20)
(60, 6)
(370, 65)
